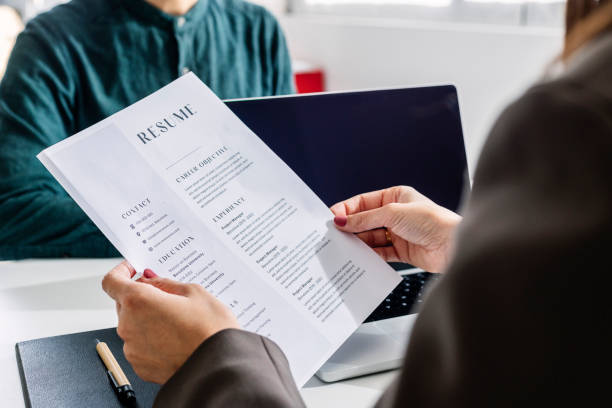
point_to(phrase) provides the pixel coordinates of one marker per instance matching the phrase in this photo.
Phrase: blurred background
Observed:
(491, 50)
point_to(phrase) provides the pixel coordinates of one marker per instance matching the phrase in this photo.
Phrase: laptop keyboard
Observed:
(405, 298)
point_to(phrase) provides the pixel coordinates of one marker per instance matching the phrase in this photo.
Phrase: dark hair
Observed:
(585, 20)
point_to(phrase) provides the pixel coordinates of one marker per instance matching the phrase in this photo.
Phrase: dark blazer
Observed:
(522, 315)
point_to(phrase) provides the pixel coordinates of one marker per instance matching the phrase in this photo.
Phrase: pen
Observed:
(119, 381)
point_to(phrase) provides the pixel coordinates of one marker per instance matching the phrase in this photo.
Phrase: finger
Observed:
(376, 199)
(146, 274)
(383, 217)
(387, 253)
(130, 267)
(171, 286)
(360, 202)
(117, 281)
(374, 238)
(338, 209)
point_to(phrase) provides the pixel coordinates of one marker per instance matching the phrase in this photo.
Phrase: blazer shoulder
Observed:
(552, 111)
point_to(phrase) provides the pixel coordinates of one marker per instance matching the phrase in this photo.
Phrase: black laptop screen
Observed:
(342, 144)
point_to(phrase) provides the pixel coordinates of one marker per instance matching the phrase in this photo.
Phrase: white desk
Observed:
(42, 298)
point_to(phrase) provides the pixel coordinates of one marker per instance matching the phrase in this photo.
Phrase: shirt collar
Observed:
(149, 13)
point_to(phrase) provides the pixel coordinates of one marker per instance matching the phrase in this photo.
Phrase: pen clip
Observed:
(112, 378)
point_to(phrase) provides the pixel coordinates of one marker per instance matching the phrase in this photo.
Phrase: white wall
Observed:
(490, 65)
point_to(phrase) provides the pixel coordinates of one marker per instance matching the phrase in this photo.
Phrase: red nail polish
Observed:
(340, 220)
(149, 274)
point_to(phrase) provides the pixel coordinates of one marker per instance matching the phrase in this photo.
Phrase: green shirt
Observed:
(83, 61)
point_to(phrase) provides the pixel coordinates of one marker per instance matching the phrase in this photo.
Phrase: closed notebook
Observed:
(65, 371)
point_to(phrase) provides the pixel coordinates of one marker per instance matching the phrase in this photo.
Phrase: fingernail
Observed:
(340, 220)
(149, 274)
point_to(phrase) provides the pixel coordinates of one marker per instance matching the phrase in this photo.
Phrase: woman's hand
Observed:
(162, 322)
(401, 225)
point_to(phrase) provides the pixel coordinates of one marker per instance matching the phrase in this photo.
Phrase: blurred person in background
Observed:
(521, 316)
(87, 59)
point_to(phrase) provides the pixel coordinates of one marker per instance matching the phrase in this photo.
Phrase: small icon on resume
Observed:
(132, 226)
(138, 233)
(150, 249)
(144, 241)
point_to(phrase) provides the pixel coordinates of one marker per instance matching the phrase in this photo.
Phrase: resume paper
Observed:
(180, 185)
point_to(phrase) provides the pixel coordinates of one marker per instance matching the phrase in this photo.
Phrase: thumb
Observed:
(170, 286)
(117, 281)
(384, 216)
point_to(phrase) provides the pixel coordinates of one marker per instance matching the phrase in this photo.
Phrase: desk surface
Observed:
(41, 298)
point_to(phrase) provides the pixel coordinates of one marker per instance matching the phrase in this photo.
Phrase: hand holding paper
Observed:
(420, 231)
(180, 185)
(162, 321)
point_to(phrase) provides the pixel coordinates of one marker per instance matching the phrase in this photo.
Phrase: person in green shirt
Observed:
(85, 60)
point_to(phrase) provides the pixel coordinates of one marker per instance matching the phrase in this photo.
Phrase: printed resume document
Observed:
(180, 185)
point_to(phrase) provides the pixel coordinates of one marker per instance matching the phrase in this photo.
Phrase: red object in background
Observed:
(308, 78)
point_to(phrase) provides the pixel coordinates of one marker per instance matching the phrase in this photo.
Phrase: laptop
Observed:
(345, 143)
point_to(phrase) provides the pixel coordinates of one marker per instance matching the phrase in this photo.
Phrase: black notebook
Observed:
(65, 371)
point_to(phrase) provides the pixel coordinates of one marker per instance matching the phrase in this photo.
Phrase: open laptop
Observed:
(345, 143)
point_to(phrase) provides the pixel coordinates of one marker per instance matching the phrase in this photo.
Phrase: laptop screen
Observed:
(343, 144)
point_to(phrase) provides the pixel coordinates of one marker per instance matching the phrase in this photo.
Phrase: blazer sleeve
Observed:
(518, 318)
(233, 368)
